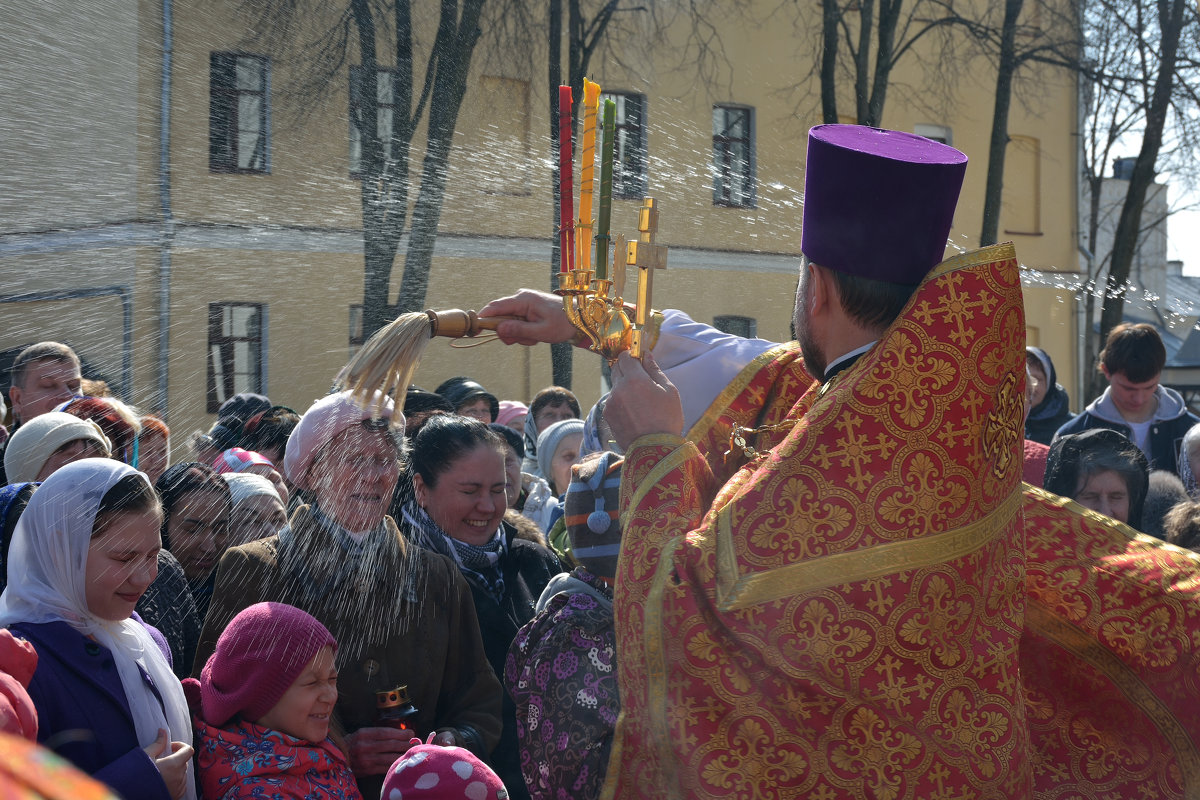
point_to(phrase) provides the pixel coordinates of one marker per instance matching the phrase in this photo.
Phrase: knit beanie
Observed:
(591, 512)
(34, 442)
(432, 772)
(258, 657)
(246, 484)
(235, 459)
(548, 442)
(510, 410)
(323, 421)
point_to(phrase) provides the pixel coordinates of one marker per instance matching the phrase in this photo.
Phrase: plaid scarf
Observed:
(480, 565)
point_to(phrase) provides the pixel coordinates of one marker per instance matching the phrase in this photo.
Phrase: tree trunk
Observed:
(862, 61)
(998, 145)
(1129, 224)
(1093, 382)
(455, 43)
(830, 15)
(889, 18)
(379, 250)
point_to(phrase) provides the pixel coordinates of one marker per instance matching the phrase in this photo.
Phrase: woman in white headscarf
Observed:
(83, 553)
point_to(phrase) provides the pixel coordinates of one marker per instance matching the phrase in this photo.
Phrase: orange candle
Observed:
(583, 236)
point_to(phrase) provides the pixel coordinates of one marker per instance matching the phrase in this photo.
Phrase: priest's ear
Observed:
(821, 291)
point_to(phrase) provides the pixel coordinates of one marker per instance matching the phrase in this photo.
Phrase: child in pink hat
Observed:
(432, 772)
(261, 710)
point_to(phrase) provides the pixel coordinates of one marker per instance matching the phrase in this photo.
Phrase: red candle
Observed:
(566, 200)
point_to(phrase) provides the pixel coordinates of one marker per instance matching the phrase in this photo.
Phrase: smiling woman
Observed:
(84, 552)
(401, 616)
(459, 488)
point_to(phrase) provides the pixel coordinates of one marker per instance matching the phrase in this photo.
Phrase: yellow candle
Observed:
(583, 238)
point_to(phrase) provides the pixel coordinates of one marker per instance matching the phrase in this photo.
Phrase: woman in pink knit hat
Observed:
(262, 707)
(402, 616)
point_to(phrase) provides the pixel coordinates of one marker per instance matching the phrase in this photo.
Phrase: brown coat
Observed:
(406, 618)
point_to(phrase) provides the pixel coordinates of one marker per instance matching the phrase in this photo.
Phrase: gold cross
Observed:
(647, 257)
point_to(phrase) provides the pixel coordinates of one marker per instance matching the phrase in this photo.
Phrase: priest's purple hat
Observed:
(877, 203)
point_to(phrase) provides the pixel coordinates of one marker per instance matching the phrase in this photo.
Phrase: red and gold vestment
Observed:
(846, 615)
(841, 618)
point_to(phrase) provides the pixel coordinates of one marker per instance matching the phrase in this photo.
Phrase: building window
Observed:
(746, 327)
(385, 108)
(235, 347)
(1021, 209)
(238, 118)
(629, 150)
(939, 133)
(733, 156)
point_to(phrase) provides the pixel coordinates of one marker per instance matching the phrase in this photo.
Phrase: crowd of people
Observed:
(267, 572)
(1133, 454)
(426, 596)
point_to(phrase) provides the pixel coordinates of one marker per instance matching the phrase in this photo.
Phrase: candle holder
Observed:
(595, 306)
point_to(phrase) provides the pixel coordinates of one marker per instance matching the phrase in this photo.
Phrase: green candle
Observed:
(606, 167)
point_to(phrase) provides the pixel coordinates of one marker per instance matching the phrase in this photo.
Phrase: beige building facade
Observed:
(247, 253)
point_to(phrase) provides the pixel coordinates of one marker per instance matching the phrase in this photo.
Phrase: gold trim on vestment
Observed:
(720, 405)
(654, 634)
(1084, 646)
(1004, 251)
(741, 591)
(680, 453)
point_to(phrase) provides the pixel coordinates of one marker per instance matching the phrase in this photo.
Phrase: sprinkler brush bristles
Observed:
(387, 361)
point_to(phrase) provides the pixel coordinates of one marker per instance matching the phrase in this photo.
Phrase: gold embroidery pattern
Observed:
(1002, 432)
(1111, 656)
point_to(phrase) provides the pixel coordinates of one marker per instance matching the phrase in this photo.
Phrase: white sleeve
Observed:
(701, 360)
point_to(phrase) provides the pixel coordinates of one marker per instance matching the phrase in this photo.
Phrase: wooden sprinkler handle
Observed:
(455, 323)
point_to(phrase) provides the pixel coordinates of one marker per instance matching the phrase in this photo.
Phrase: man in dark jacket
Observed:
(1149, 414)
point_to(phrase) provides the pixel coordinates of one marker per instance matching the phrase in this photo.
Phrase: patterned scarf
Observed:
(480, 565)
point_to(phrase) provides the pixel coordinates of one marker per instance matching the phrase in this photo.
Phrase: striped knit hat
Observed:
(592, 507)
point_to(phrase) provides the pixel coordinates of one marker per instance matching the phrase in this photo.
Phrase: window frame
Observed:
(935, 132)
(722, 167)
(630, 162)
(727, 322)
(229, 372)
(355, 169)
(224, 132)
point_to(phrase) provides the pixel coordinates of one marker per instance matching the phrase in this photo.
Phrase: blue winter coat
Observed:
(83, 714)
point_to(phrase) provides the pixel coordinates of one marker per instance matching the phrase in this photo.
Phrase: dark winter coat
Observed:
(83, 714)
(168, 606)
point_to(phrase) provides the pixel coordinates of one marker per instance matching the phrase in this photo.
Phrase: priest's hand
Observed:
(372, 750)
(643, 401)
(540, 318)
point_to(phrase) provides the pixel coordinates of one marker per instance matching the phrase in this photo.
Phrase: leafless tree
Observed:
(1158, 83)
(876, 36)
(424, 56)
